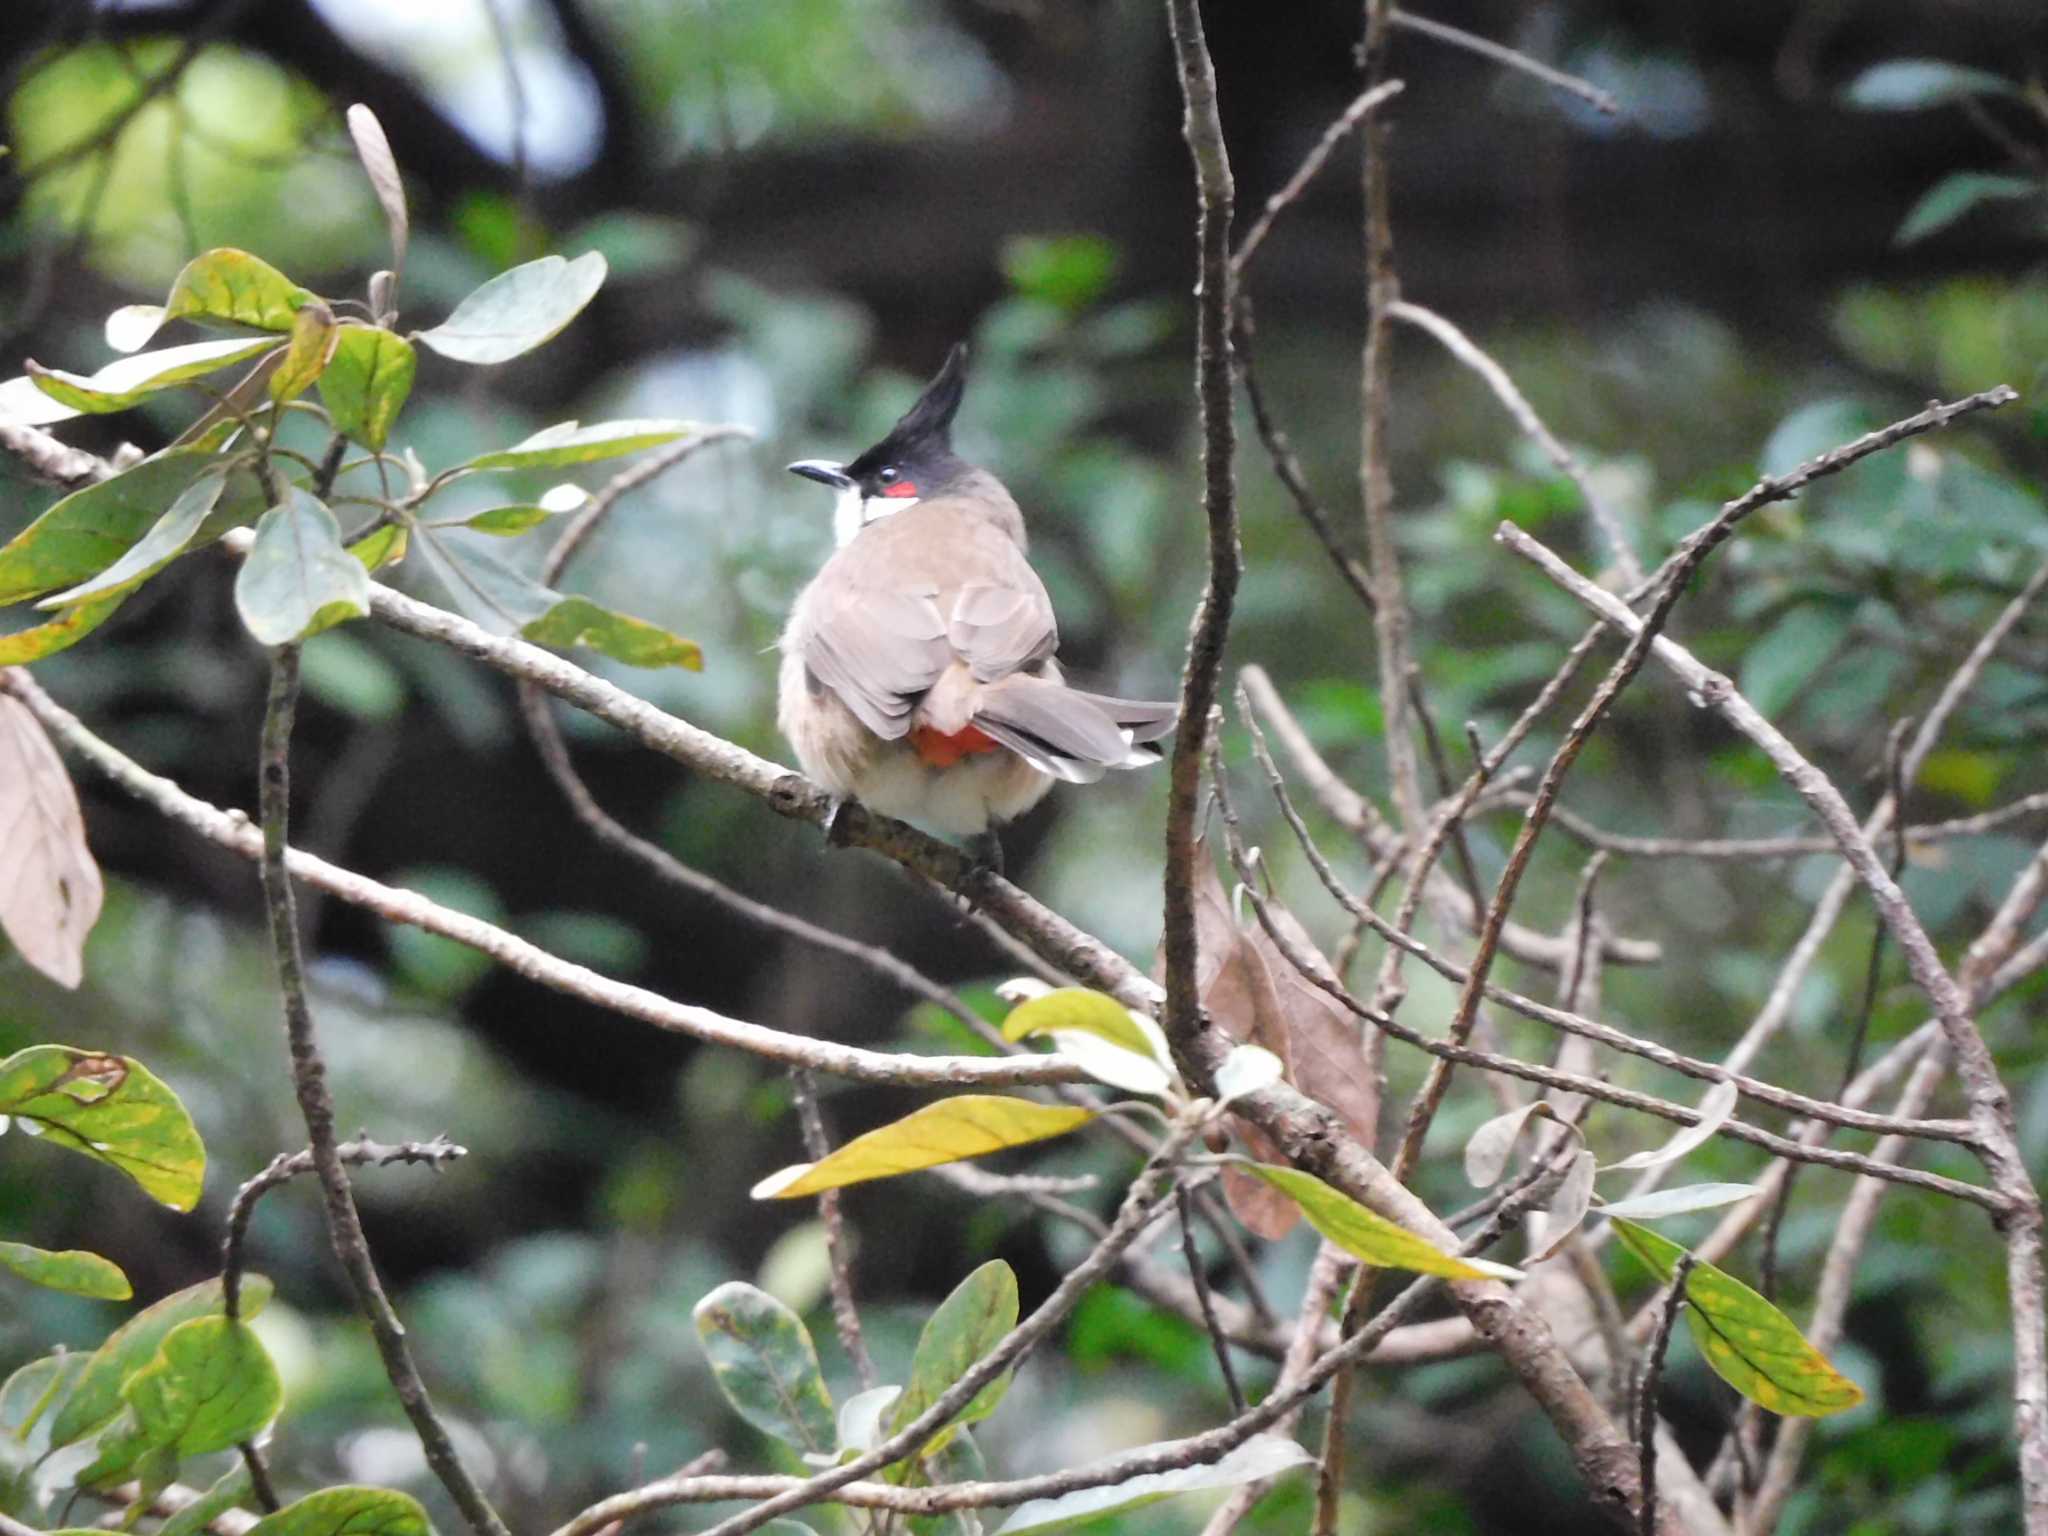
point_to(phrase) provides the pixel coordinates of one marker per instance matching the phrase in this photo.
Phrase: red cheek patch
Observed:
(901, 488)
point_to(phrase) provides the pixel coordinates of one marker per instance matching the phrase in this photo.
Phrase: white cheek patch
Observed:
(853, 512)
(848, 516)
(875, 508)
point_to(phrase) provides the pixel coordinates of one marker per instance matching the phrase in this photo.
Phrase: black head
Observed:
(916, 459)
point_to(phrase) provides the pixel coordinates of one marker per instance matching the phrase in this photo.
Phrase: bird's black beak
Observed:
(824, 471)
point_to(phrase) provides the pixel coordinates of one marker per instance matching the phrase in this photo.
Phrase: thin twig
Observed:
(839, 1262)
(1311, 164)
(1141, 1202)
(1500, 53)
(1745, 849)
(232, 831)
(1578, 1024)
(1468, 352)
(1989, 1101)
(287, 1166)
(316, 1104)
(1202, 127)
(1200, 1279)
(1646, 1402)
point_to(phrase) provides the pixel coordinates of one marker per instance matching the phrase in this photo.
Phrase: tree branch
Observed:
(1202, 126)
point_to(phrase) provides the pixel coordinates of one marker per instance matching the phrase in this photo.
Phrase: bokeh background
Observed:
(804, 202)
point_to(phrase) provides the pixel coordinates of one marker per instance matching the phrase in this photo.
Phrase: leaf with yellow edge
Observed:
(73, 1270)
(367, 381)
(1751, 1345)
(306, 356)
(384, 547)
(1368, 1236)
(232, 285)
(966, 1125)
(1077, 1008)
(126, 380)
(78, 621)
(112, 1109)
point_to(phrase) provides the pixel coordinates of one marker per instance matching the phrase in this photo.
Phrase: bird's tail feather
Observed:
(1069, 734)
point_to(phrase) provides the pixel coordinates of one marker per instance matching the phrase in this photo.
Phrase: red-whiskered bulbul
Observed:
(917, 669)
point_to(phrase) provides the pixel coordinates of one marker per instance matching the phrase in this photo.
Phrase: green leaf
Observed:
(958, 1460)
(1750, 1344)
(80, 1273)
(210, 1386)
(506, 601)
(233, 1487)
(1779, 662)
(314, 339)
(386, 546)
(518, 310)
(1912, 85)
(1955, 195)
(126, 381)
(1367, 1235)
(368, 381)
(579, 621)
(965, 1125)
(297, 579)
(502, 521)
(34, 1390)
(977, 1317)
(26, 645)
(347, 1511)
(165, 541)
(765, 1364)
(112, 1109)
(1070, 271)
(231, 285)
(117, 1450)
(92, 528)
(1259, 1458)
(483, 586)
(1079, 1009)
(570, 442)
(97, 1396)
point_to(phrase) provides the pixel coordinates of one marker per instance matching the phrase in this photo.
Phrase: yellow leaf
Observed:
(967, 1125)
(1366, 1235)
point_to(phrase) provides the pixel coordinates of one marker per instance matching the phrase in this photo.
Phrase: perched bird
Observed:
(917, 668)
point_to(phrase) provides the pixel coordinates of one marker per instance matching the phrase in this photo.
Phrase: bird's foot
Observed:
(985, 855)
(985, 848)
(844, 821)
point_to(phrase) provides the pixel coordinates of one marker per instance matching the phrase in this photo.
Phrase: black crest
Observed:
(923, 438)
(932, 416)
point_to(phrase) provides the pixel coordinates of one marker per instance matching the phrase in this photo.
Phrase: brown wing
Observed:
(930, 586)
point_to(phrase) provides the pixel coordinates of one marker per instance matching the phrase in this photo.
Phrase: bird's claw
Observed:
(843, 822)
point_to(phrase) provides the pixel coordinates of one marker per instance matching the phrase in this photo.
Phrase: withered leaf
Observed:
(1255, 994)
(50, 888)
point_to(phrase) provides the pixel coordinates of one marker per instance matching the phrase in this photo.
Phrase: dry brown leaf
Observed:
(1255, 995)
(1264, 1210)
(1326, 1059)
(50, 887)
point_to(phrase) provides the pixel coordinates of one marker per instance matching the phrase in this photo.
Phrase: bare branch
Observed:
(1311, 164)
(1468, 352)
(1202, 126)
(316, 1104)
(231, 830)
(1500, 53)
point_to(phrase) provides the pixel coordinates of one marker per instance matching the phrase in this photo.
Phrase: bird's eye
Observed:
(888, 475)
